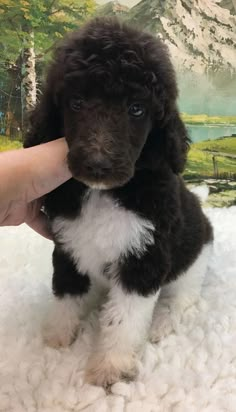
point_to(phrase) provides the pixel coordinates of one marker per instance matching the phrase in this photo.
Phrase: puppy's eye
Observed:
(76, 103)
(137, 110)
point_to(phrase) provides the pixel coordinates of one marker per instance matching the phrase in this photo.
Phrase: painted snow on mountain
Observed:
(112, 8)
(201, 34)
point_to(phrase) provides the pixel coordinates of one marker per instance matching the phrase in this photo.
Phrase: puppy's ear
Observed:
(167, 143)
(46, 119)
(176, 142)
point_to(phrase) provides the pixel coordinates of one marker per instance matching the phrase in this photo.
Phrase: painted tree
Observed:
(29, 29)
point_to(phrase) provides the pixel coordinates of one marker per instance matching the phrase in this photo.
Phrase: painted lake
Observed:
(209, 132)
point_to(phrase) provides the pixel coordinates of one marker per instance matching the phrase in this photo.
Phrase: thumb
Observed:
(47, 168)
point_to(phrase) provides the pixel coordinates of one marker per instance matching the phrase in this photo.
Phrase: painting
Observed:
(201, 37)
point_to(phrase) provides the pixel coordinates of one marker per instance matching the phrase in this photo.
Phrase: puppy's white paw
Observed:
(168, 319)
(57, 336)
(162, 324)
(107, 369)
(61, 324)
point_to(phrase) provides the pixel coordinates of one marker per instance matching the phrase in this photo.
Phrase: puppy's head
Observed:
(115, 88)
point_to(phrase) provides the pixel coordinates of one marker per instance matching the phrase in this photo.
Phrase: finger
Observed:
(27, 174)
(40, 225)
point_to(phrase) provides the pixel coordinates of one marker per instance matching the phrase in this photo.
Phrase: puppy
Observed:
(125, 221)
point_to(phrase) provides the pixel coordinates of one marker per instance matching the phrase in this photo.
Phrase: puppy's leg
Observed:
(71, 291)
(178, 295)
(124, 325)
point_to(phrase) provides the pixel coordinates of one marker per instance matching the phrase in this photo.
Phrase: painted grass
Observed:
(200, 161)
(221, 195)
(224, 198)
(7, 144)
(204, 119)
(225, 145)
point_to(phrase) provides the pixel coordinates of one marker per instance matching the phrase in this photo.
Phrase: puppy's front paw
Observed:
(170, 319)
(107, 369)
(61, 324)
(57, 336)
(162, 325)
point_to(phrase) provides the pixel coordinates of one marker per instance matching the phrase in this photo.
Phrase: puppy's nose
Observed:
(99, 167)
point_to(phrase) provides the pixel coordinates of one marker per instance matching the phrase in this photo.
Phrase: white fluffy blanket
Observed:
(191, 371)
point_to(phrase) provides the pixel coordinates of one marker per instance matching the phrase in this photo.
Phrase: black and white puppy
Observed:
(125, 220)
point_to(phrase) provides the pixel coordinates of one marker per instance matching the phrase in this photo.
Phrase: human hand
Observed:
(26, 175)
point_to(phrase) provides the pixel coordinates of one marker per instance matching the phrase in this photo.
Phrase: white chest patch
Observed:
(103, 232)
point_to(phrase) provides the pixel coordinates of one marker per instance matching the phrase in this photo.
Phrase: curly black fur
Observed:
(97, 74)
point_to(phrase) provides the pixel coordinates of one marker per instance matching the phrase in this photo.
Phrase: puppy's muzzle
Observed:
(98, 167)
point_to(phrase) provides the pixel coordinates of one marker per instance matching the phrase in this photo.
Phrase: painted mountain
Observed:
(201, 34)
(113, 8)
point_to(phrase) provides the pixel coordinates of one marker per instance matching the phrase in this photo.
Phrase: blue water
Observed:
(199, 133)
